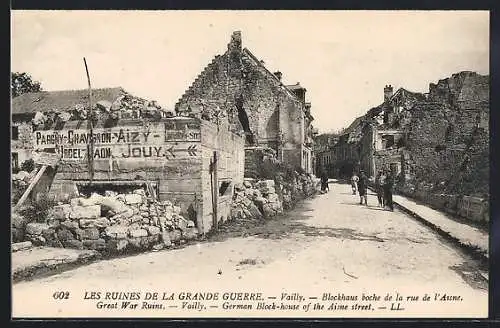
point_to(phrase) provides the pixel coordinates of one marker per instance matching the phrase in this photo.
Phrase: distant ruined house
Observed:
(437, 140)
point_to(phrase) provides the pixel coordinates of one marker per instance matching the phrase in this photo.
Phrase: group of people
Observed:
(384, 183)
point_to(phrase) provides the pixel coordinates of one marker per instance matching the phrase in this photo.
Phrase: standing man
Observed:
(354, 183)
(388, 185)
(379, 182)
(324, 181)
(362, 188)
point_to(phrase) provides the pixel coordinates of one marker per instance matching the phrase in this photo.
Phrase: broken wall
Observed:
(230, 168)
(22, 146)
(166, 152)
(448, 136)
(238, 87)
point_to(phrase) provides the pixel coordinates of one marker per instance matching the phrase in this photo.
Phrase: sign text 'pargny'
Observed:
(133, 142)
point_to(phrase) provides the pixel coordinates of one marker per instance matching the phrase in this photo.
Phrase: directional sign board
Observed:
(156, 141)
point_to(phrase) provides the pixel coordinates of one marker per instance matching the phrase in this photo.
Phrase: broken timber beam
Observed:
(32, 184)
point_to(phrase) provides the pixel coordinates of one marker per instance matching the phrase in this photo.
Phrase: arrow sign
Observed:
(170, 152)
(191, 150)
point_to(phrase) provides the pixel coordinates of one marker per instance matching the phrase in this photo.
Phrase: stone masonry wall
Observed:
(112, 223)
(237, 87)
(447, 136)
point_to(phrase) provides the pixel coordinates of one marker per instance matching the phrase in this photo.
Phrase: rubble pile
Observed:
(125, 106)
(264, 199)
(21, 179)
(20, 182)
(255, 200)
(296, 186)
(113, 223)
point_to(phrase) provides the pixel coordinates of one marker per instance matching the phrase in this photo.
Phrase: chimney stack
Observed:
(278, 74)
(388, 92)
(235, 43)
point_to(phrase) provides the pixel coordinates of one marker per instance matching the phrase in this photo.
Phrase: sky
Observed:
(343, 58)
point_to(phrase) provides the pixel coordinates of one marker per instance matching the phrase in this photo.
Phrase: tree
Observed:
(23, 83)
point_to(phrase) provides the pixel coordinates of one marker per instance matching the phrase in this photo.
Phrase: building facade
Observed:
(436, 140)
(186, 160)
(237, 86)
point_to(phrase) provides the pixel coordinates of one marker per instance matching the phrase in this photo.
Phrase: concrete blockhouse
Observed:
(190, 161)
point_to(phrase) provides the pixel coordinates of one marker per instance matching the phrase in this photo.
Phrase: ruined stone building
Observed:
(237, 86)
(438, 140)
(38, 107)
(134, 144)
(325, 152)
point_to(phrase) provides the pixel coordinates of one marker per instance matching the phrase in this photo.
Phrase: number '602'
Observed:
(61, 295)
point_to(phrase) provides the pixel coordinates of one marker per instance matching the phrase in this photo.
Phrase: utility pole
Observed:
(90, 140)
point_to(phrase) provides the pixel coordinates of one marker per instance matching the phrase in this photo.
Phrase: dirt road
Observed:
(325, 250)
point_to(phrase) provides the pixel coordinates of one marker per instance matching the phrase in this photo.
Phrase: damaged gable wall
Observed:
(251, 99)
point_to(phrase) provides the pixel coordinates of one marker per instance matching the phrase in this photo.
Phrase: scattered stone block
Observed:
(117, 231)
(133, 199)
(87, 223)
(268, 211)
(64, 234)
(153, 230)
(38, 240)
(182, 224)
(94, 199)
(102, 222)
(85, 212)
(190, 233)
(110, 193)
(260, 201)
(97, 244)
(72, 243)
(90, 233)
(272, 198)
(75, 201)
(53, 223)
(138, 233)
(127, 214)
(61, 212)
(117, 245)
(175, 235)
(113, 204)
(21, 246)
(135, 218)
(18, 221)
(34, 228)
(49, 234)
(17, 234)
(69, 224)
(165, 239)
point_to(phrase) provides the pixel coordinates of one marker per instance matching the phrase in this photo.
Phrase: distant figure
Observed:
(362, 188)
(354, 183)
(324, 182)
(388, 185)
(379, 182)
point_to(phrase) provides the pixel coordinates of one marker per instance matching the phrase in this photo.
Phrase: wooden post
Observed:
(90, 145)
(215, 190)
(31, 186)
